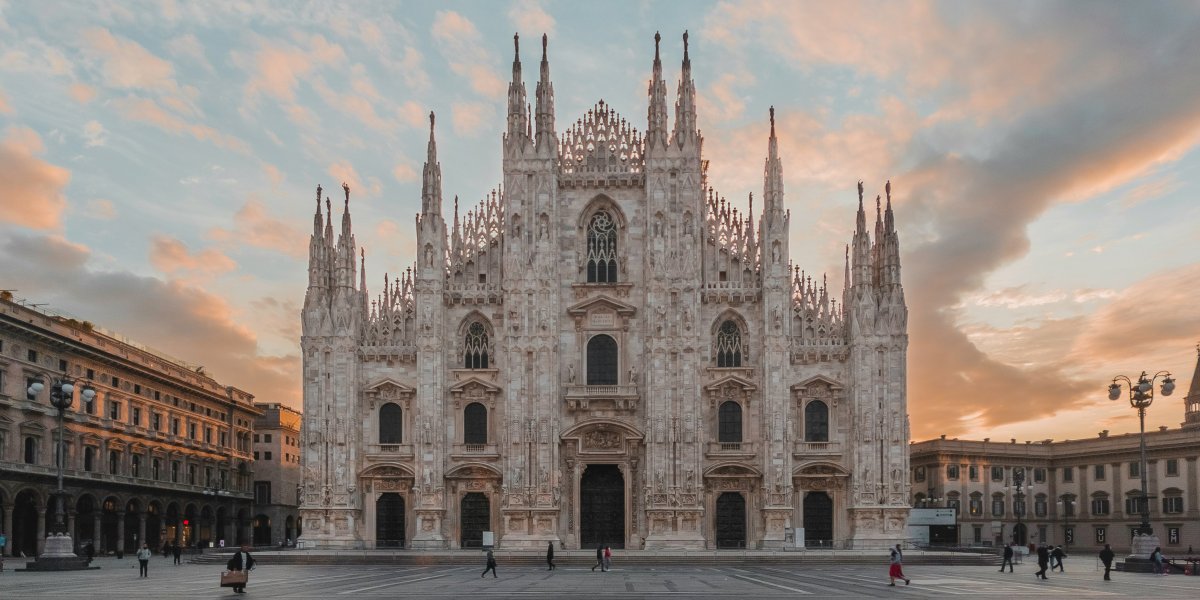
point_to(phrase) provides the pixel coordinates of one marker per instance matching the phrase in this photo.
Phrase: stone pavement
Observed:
(117, 579)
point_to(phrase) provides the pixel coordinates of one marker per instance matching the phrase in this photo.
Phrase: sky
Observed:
(158, 164)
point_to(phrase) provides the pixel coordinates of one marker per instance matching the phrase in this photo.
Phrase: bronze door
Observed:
(602, 507)
(731, 520)
(475, 518)
(389, 521)
(818, 520)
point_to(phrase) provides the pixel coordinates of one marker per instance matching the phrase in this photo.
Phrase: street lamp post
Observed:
(1141, 396)
(59, 553)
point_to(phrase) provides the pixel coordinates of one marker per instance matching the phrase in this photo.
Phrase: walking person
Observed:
(1058, 555)
(1043, 555)
(1008, 558)
(176, 551)
(491, 565)
(599, 558)
(607, 558)
(241, 561)
(143, 557)
(896, 569)
(1106, 557)
(550, 555)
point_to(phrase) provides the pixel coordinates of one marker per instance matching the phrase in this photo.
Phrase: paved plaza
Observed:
(118, 579)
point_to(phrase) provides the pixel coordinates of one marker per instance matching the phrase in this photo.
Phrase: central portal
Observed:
(602, 507)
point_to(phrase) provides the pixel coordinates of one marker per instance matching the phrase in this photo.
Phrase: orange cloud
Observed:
(171, 256)
(127, 65)
(33, 187)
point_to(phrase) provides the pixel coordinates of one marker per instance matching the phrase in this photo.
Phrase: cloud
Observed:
(462, 46)
(82, 92)
(171, 257)
(34, 188)
(101, 209)
(253, 226)
(179, 319)
(125, 64)
(470, 118)
(148, 111)
(529, 16)
(94, 134)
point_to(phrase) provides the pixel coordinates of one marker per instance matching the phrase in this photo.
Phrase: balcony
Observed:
(817, 449)
(617, 398)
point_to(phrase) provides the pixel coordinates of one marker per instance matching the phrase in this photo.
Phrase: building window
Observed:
(1101, 506)
(1173, 505)
(89, 459)
(135, 465)
(602, 249)
(729, 345)
(816, 422)
(1172, 467)
(997, 506)
(391, 424)
(918, 474)
(114, 410)
(1039, 475)
(729, 423)
(114, 462)
(30, 450)
(475, 424)
(1098, 472)
(952, 472)
(973, 473)
(602, 361)
(1135, 469)
(262, 492)
(475, 353)
(1068, 474)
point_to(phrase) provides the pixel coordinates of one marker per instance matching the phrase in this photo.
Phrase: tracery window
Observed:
(391, 424)
(602, 361)
(729, 423)
(729, 345)
(475, 424)
(475, 353)
(816, 422)
(602, 249)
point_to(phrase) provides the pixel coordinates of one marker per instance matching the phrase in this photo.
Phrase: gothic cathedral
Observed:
(604, 352)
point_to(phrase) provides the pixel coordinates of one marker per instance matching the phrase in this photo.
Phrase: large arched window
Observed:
(475, 353)
(729, 423)
(729, 345)
(816, 422)
(602, 248)
(391, 424)
(475, 424)
(602, 361)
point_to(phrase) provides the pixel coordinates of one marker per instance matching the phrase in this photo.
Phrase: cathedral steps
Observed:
(586, 558)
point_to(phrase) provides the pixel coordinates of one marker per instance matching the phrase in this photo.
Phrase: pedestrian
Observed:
(143, 556)
(176, 551)
(241, 561)
(1043, 554)
(607, 558)
(1058, 555)
(1008, 557)
(599, 558)
(1106, 557)
(896, 570)
(491, 565)
(550, 555)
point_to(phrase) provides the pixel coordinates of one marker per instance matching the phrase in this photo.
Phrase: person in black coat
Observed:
(1106, 557)
(1043, 554)
(550, 555)
(241, 561)
(1008, 558)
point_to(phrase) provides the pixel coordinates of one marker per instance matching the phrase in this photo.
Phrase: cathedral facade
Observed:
(604, 352)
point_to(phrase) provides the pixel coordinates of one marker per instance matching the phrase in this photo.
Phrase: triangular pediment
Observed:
(387, 383)
(473, 382)
(818, 381)
(601, 302)
(739, 383)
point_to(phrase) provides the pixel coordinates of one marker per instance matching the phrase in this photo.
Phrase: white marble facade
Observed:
(605, 351)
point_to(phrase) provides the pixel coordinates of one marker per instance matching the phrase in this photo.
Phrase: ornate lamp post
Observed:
(59, 554)
(1141, 396)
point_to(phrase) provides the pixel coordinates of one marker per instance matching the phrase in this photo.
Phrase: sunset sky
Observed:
(158, 162)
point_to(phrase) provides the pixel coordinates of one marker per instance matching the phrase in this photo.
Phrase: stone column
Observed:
(120, 541)
(8, 512)
(41, 530)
